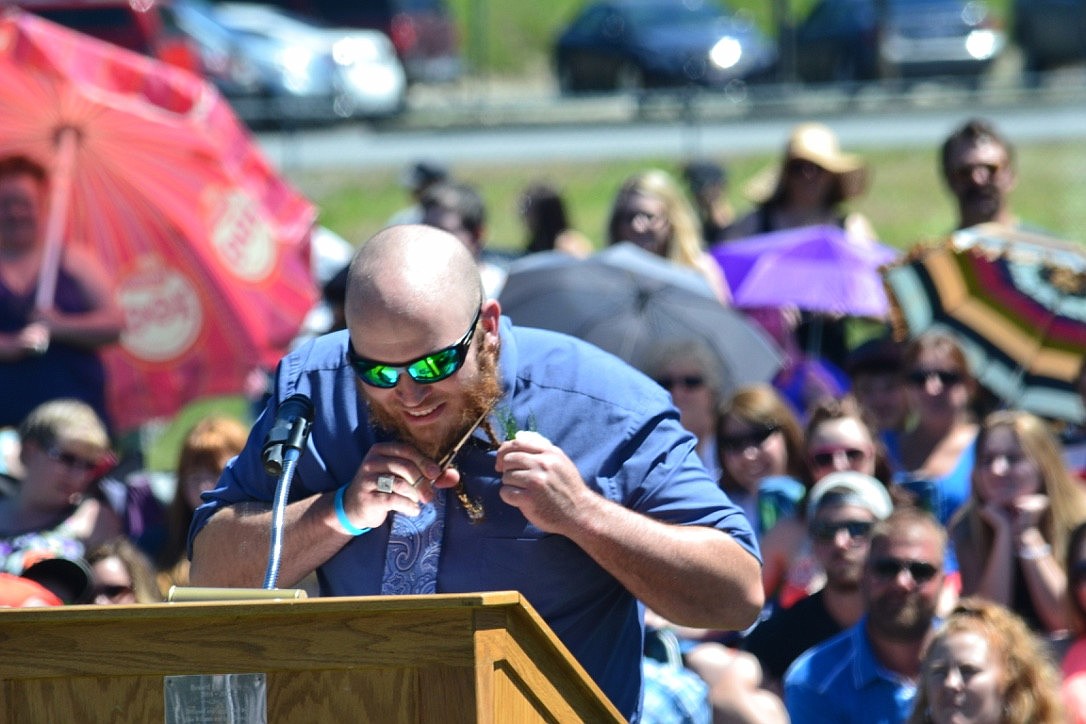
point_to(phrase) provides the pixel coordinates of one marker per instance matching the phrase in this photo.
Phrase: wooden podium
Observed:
(484, 657)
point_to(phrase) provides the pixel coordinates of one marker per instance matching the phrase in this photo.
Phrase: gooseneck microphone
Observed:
(282, 447)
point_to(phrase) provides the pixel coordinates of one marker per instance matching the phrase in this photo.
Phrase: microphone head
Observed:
(291, 410)
(295, 406)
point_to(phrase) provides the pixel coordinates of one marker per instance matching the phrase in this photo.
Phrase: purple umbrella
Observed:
(817, 268)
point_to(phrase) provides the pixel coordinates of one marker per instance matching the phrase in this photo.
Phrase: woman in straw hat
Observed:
(807, 188)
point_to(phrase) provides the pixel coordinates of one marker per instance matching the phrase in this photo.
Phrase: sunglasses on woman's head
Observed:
(425, 370)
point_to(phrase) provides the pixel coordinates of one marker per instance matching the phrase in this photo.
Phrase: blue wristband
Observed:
(341, 515)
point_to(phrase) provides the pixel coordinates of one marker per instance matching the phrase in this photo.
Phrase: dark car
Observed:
(1050, 33)
(860, 40)
(422, 31)
(635, 44)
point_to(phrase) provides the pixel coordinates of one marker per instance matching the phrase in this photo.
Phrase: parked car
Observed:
(141, 27)
(422, 31)
(636, 44)
(1050, 32)
(356, 69)
(861, 40)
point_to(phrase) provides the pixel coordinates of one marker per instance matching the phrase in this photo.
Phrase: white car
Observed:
(370, 79)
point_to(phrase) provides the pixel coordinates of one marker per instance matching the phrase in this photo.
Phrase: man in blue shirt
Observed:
(591, 494)
(867, 674)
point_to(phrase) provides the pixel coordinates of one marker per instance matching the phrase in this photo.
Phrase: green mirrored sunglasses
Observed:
(425, 370)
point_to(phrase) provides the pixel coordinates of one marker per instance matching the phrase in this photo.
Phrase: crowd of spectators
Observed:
(924, 555)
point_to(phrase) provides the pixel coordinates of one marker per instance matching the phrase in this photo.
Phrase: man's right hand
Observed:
(369, 498)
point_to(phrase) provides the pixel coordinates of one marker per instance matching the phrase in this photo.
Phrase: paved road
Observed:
(619, 132)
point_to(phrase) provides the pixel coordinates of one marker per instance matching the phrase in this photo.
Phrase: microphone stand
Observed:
(291, 452)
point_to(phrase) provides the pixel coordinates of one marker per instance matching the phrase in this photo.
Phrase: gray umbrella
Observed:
(632, 303)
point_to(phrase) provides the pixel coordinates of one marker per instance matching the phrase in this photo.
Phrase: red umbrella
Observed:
(153, 172)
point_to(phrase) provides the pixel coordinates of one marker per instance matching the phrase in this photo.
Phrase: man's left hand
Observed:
(541, 480)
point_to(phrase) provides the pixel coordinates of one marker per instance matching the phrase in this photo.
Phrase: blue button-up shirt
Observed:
(617, 426)
(841, 682)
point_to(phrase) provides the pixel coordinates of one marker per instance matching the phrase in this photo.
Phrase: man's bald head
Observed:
(410, 269)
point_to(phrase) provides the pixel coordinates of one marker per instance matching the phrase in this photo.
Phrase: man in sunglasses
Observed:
(842, 509)
(867, 674)
(580, 489)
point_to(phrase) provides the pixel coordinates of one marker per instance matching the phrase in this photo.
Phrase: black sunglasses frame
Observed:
(754, 438)
(889, 568)
(946, 379)
(688, 381)
(825, 458)
(827, 532)
(362, 366)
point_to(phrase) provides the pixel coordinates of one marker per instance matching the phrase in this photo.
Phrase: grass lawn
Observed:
(906, 202)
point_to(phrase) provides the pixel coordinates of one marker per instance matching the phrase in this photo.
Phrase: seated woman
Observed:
(690, 373)
(1011, 535)
(837, 439)
(760, 447)
(985, 656)
(933, 456)
(64, 447)
(207, 447)
(122, 574)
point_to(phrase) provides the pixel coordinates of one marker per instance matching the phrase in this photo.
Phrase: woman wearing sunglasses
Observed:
(837, 439)
(933, 455)
(689, 372)
(64, 448)
(122, 574)
(760, 446)
(1011, 535)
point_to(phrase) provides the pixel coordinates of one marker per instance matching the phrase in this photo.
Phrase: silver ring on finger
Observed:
(385, 483)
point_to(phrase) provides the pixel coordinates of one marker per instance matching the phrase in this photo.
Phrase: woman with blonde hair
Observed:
(205, 450)
(985, 666)
(651, 211)
(1011, 535)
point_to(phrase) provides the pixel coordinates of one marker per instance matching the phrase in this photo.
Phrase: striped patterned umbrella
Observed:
(153, 173)
(1017, 303)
